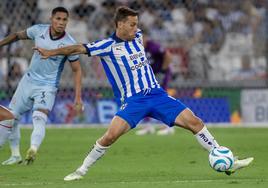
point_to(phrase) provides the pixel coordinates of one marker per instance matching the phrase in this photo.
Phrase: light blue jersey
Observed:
(38, 87)
(126, 66)
(48, 71)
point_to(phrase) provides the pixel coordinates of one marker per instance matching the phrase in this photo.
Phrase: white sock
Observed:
(96, 153)
(14, 139)
(39, 129)
(206, 139)
(5, 130)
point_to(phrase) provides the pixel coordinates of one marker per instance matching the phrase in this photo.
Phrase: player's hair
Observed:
(59, 9)
(122, 13)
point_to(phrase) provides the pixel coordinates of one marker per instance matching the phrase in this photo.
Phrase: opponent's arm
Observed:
(21, 35)
(77, 72)
(68, 50)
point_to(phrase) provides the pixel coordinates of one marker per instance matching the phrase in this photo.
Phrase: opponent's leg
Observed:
(38, 134)
(6, 132)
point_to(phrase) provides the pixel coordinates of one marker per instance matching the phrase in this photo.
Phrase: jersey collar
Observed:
(57, 38)
(117, 39)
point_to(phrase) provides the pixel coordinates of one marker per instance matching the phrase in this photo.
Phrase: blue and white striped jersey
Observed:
(126, 66)
(48, 71)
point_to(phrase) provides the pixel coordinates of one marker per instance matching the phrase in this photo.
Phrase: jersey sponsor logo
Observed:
(136, 56)
(139, 65)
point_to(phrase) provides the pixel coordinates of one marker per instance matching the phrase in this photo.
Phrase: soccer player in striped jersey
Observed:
(134, 84)
(38, 87)
(159, 58)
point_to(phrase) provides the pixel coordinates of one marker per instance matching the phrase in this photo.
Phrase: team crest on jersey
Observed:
(61, 45)
(123, 106)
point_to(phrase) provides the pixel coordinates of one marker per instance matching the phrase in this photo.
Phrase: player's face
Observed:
(59, 21)
(129, 27)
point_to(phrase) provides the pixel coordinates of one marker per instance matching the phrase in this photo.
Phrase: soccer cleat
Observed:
(166, 131)
(13, 160)
(238, 164)
(30, 156)
(145, 130)
(77, 175)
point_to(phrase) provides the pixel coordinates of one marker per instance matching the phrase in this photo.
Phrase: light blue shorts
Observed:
(30, 95)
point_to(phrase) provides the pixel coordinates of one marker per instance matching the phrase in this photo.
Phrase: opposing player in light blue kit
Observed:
(38, 87)
(133, 82)
(6, 123)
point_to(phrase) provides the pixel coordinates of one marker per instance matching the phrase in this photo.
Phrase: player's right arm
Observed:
(21, 35)
(68, 50)
(98, 48)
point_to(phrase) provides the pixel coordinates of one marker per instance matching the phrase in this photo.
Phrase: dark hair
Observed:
(59, 9)
(122, 13)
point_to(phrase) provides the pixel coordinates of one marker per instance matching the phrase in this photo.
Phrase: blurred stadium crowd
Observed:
(212, 41)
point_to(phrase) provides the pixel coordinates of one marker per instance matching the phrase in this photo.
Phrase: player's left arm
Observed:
(68, 50)
(167, 60)
(77, 72)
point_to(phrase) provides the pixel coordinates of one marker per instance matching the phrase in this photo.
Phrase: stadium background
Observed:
(219, 55)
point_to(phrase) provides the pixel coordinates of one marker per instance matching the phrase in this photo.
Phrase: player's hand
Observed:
(78, 106)
(43, 52)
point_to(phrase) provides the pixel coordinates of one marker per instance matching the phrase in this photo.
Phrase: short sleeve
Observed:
(99, 48)
(73, 58)
(33, 31)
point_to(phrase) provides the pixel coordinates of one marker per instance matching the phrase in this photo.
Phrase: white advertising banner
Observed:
(254, 105)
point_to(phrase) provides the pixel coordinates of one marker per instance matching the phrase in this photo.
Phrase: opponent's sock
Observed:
(39, 130)
(206, 140)
(5, 130)
(96, 153)
(14, 140)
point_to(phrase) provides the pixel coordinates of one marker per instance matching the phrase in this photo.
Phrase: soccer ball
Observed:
(221, 159)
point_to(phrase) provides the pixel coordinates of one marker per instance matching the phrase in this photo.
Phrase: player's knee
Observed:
(109, 138)
(195, 124)
(39, 115)
(5, 114)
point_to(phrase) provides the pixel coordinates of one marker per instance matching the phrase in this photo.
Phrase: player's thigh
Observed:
(166, 109)
(118, 126)
(133, 111)
(187, 119)
(5, 113)
(44, 97)
(21, 100)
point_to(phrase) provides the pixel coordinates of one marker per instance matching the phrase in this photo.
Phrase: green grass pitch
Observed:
(138, 161)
